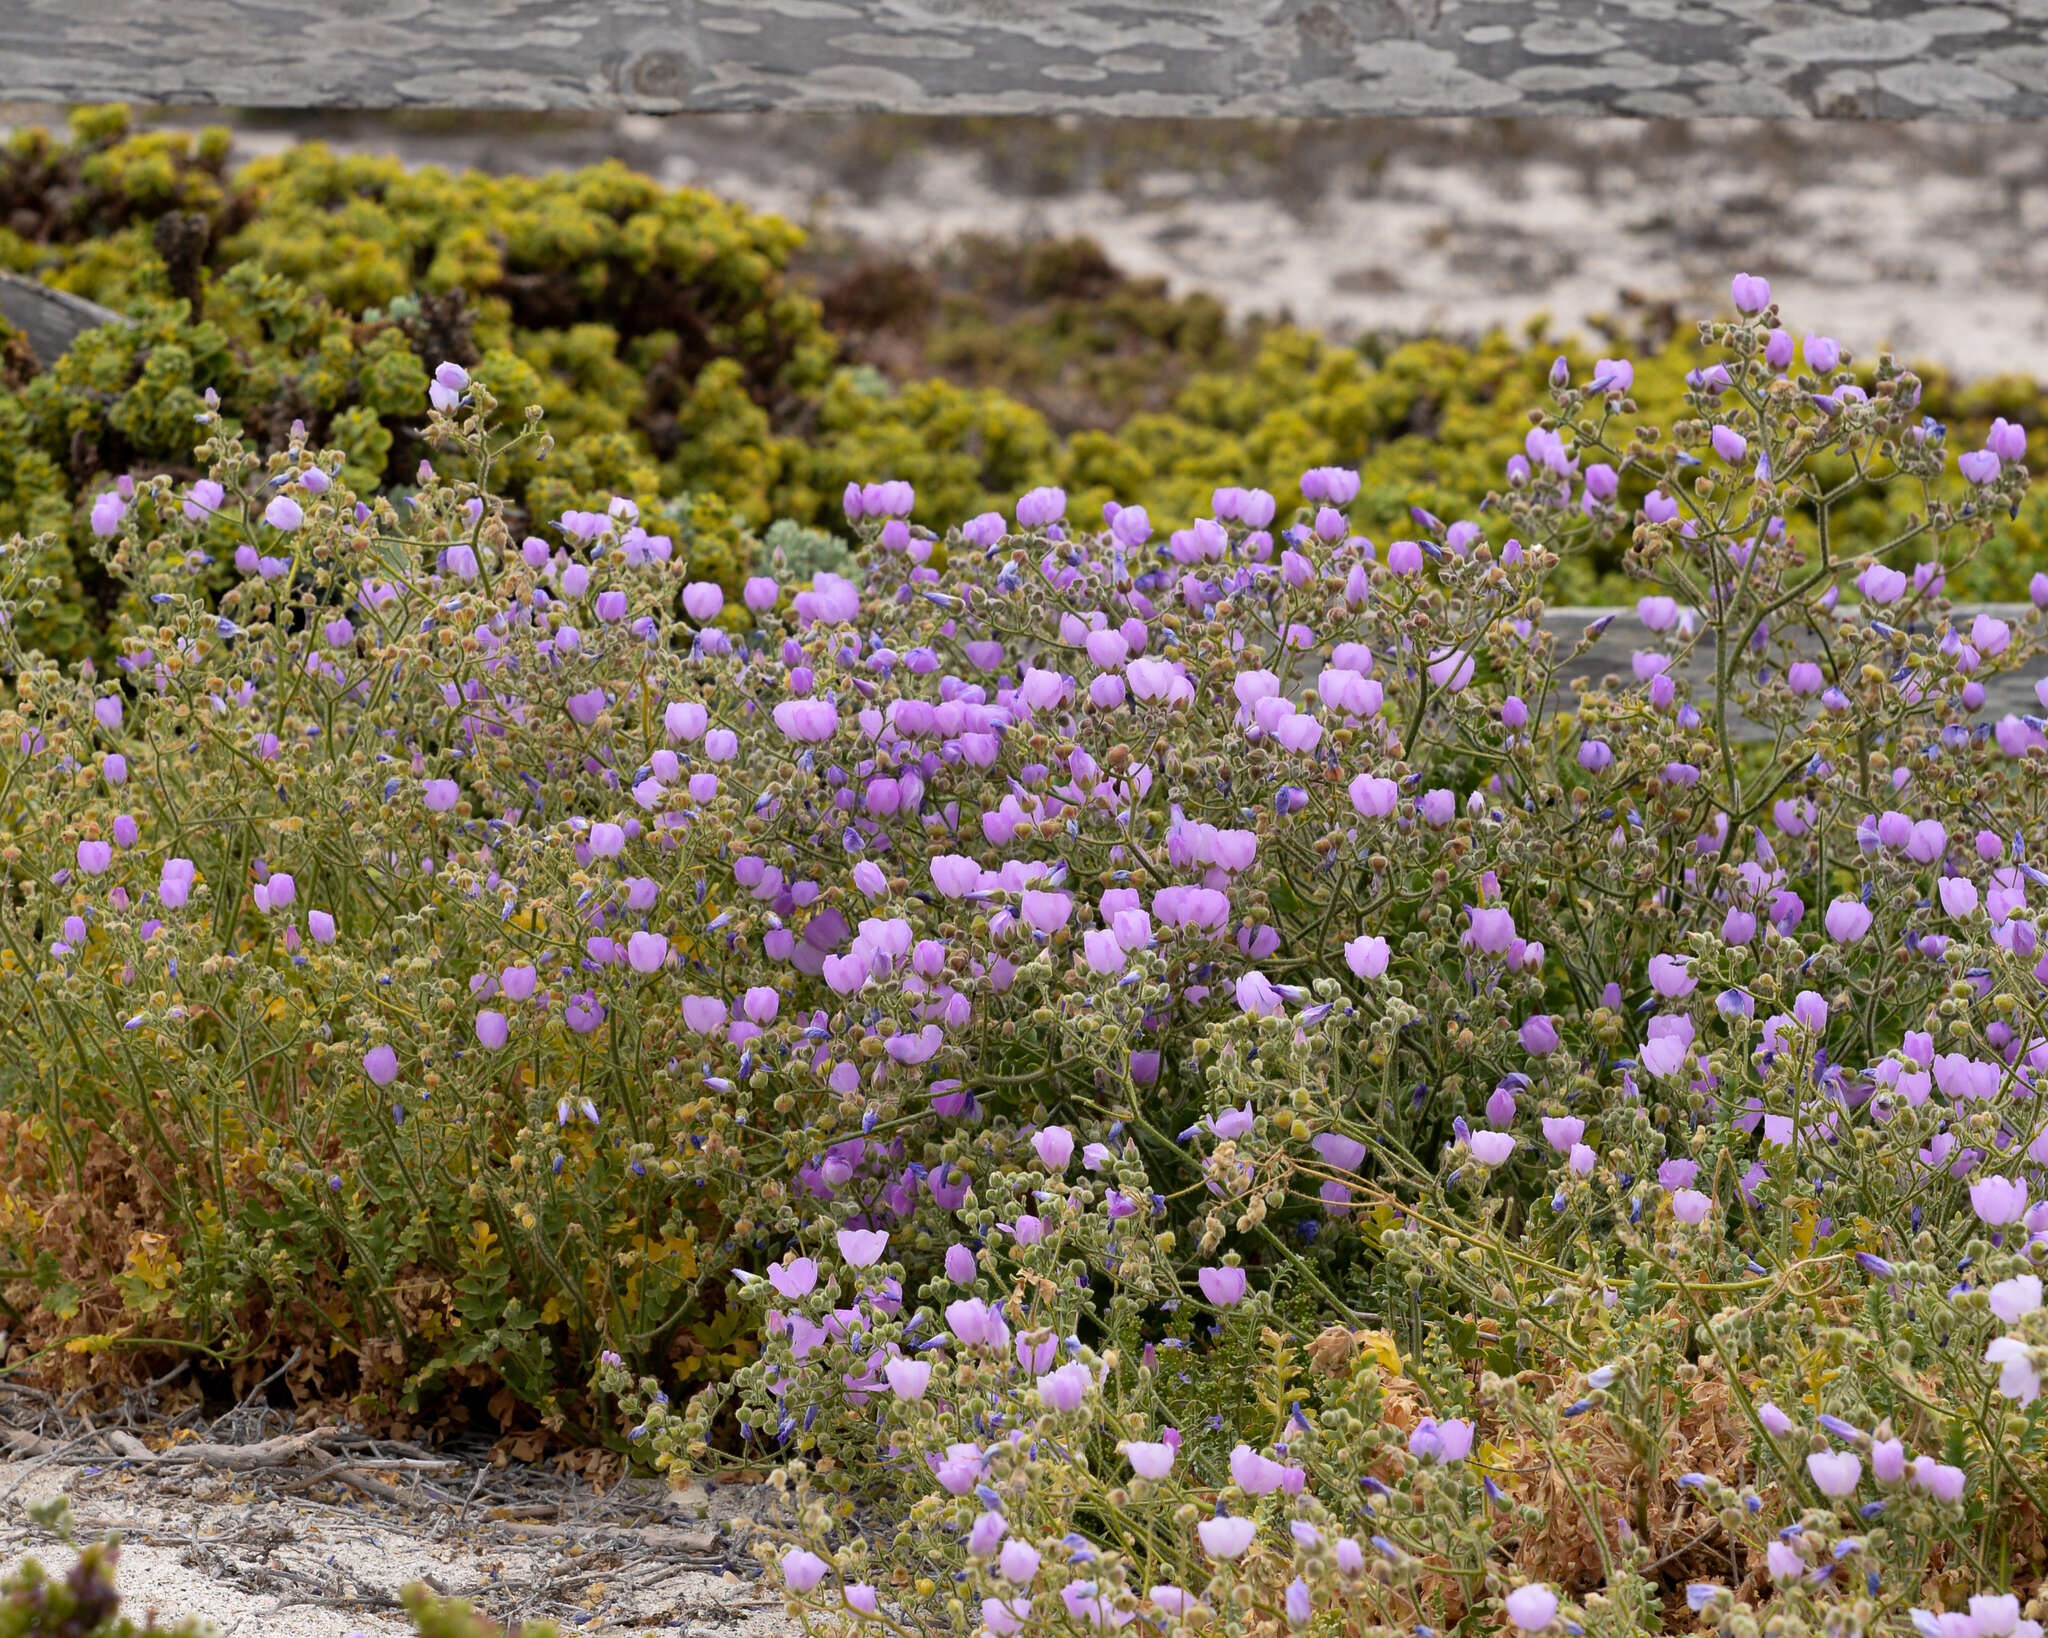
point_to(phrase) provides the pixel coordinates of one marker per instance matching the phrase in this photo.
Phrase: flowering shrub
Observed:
(1203, 1070)
(683, 366)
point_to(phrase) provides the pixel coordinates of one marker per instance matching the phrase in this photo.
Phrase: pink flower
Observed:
(1444, 1443)
(908, 1378)
(1374, 797)
(795, 1279)
(1532, 1608)
(492, 1029)
(1451, 668)
(1670, 978)
(862, 1248)
(1492, 1148)
(809, 721)
(1225, 1287)
(1750, 294)
(1102, 952)
(1690, 1206)
(1254, 1474)
(1999, 1200)
(1149, 1461)
(1038, 507)
(1257, 996)
(1492, 930)
(1065, 1388)
(380, 1063)
(1836, 1473)
(645, 952)
(1054, 1146)
(1847, 920)
(1046, 912)
(2017, 1377)
(2012, 1300)
(1226, 1538)
(704, 1013)
(1942, 1482)
(845, 974)
(1367, 956)
(802, 1570)
(953, 875)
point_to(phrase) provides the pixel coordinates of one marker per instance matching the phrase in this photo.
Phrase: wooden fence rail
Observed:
(1891, 59)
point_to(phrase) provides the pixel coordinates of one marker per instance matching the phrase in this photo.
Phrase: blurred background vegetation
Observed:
(731, 372)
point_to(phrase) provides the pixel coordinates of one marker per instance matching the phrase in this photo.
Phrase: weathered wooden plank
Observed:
(1985, 59)
(49, 319)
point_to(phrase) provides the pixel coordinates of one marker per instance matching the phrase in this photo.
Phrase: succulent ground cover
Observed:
(1174, 1058)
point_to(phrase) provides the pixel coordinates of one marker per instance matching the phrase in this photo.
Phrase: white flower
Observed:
(2017, 1378)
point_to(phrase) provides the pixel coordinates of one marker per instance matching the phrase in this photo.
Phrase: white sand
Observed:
(250, 1566)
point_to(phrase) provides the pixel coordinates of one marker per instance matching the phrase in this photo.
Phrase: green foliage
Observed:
(664, 334)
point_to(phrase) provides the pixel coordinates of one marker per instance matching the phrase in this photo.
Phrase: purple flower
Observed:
(1836, 1473)
(1730, 445)
(1065, 1388)
(862, 1248)
(1491, 1148)
(802, 1570)
(1223, 1286)
(1613, 375)
(1980, 466)
(811, 721)
(1750, 294)
(380, 1063)
(1227, 1537)
(203, 500)
(108, 509)
(1847, 920)
(1444, 1443)
(1337, 485)
(1998, 1201)
(1038, 507)
(1533, 1607)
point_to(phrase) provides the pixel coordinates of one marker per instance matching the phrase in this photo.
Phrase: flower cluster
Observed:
(1202, 1062)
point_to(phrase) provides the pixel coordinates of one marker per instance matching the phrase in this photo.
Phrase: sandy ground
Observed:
(259, 1563)
(1927, 237)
